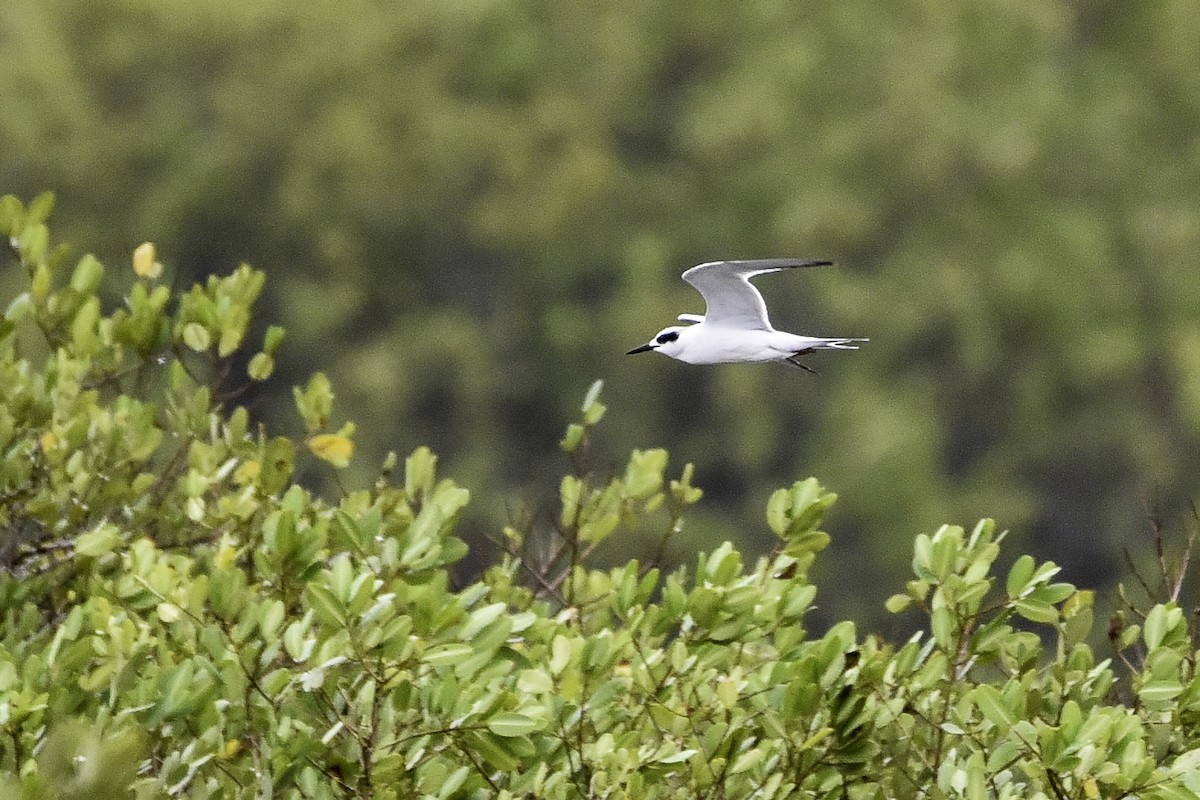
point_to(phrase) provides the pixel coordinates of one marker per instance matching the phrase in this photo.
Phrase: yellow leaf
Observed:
(727, 693)
(333, 448)
(226, 556)
(1090, 789)
(144, 263)
(248, 472)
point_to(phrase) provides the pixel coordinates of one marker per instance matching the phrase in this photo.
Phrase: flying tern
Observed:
(734, 327)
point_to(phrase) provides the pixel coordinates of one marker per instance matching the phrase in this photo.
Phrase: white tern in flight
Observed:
(735, 327)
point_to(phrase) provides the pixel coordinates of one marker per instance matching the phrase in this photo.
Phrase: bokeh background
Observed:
(469, 209)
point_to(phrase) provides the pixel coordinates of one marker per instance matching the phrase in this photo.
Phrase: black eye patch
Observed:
(669, 336)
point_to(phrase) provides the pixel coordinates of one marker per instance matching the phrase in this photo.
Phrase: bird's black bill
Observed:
(641, 349)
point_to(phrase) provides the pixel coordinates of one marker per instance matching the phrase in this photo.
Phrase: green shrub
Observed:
(180, 618)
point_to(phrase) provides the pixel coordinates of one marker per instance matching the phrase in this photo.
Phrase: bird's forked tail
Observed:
(835, 344)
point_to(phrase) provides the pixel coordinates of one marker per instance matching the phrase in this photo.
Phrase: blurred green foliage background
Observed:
(469, 209)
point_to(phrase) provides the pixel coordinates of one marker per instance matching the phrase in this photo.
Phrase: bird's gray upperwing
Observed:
(732, 301)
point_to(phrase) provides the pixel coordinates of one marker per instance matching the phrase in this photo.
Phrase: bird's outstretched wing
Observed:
(732, 301)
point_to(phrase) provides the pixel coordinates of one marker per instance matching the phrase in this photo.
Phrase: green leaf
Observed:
(990, 703)
(561, 651)
(535, 681)
(593, 393)
(1036, 610)
(447, 654)
(98, 542)
(947, 546)
(942, 626)
(1155, 627)
(87, 275)
(592, 409)
(1129, 635)
(278, 460)
(233, 330)
(481, 618)
(923, 557)
(677, 757)
(747, 760)
(493, 750)
(83, 327)
(1003, 755)
(296, 641)
(326, 604)
(1045, 572)
(40, 286)
(40, 208)
(509, 724)
(12, 215)
(1160, 691)
(272, 340)
(196, 337)
(793, 514)
(314, 402)
(1053, 593)
(572, 438)
(21, 306)
(1019, 575)
(260, 367)
(420, 469)
(453, 782)
(644, 473)
(1170, 791)
(272, 619)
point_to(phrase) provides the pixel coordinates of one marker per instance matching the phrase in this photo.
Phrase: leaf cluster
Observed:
(179, 617)
(471, 211)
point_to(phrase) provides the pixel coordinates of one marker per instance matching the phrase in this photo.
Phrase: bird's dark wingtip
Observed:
(784, 263)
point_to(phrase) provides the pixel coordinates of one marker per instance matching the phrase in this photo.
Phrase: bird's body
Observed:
(735, 327)
(712, 344)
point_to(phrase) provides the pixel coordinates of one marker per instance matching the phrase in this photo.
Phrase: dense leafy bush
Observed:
(470, 210)
(180, 616)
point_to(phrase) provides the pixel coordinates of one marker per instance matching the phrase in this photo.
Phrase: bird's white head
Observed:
(666, 342)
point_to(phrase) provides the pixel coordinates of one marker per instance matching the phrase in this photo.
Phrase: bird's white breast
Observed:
(706, 344)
